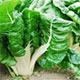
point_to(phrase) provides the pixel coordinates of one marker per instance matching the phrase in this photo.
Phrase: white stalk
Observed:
(25, 65)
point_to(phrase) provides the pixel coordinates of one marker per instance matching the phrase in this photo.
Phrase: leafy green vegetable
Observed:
(74, 6)
(6, 22)
(59, 43)
(66, 11)
(43, 31)
(6, 17)
(74, 58)
(15, 36)
(5, 58)
(68, 2)
(31, 27)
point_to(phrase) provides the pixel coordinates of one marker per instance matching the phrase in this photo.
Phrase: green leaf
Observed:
(51, 59)
(5, 58)
(59, 43)
(65, 64)
(35, 39)
(15, 37)
(25, 3)
(74, 6)
(2, 56)
(65, 10)
(68, 2)
(6, 14)
(74, 57)
(31, 19)
(9, 61)
(76, 31)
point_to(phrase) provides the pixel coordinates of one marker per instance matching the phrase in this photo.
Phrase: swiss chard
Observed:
(43, 31)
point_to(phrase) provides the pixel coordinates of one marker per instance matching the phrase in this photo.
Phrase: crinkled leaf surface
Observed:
(73, 57)
(65, 10)
(59, 43)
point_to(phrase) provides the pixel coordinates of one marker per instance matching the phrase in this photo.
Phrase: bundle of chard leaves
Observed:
(42, 31)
